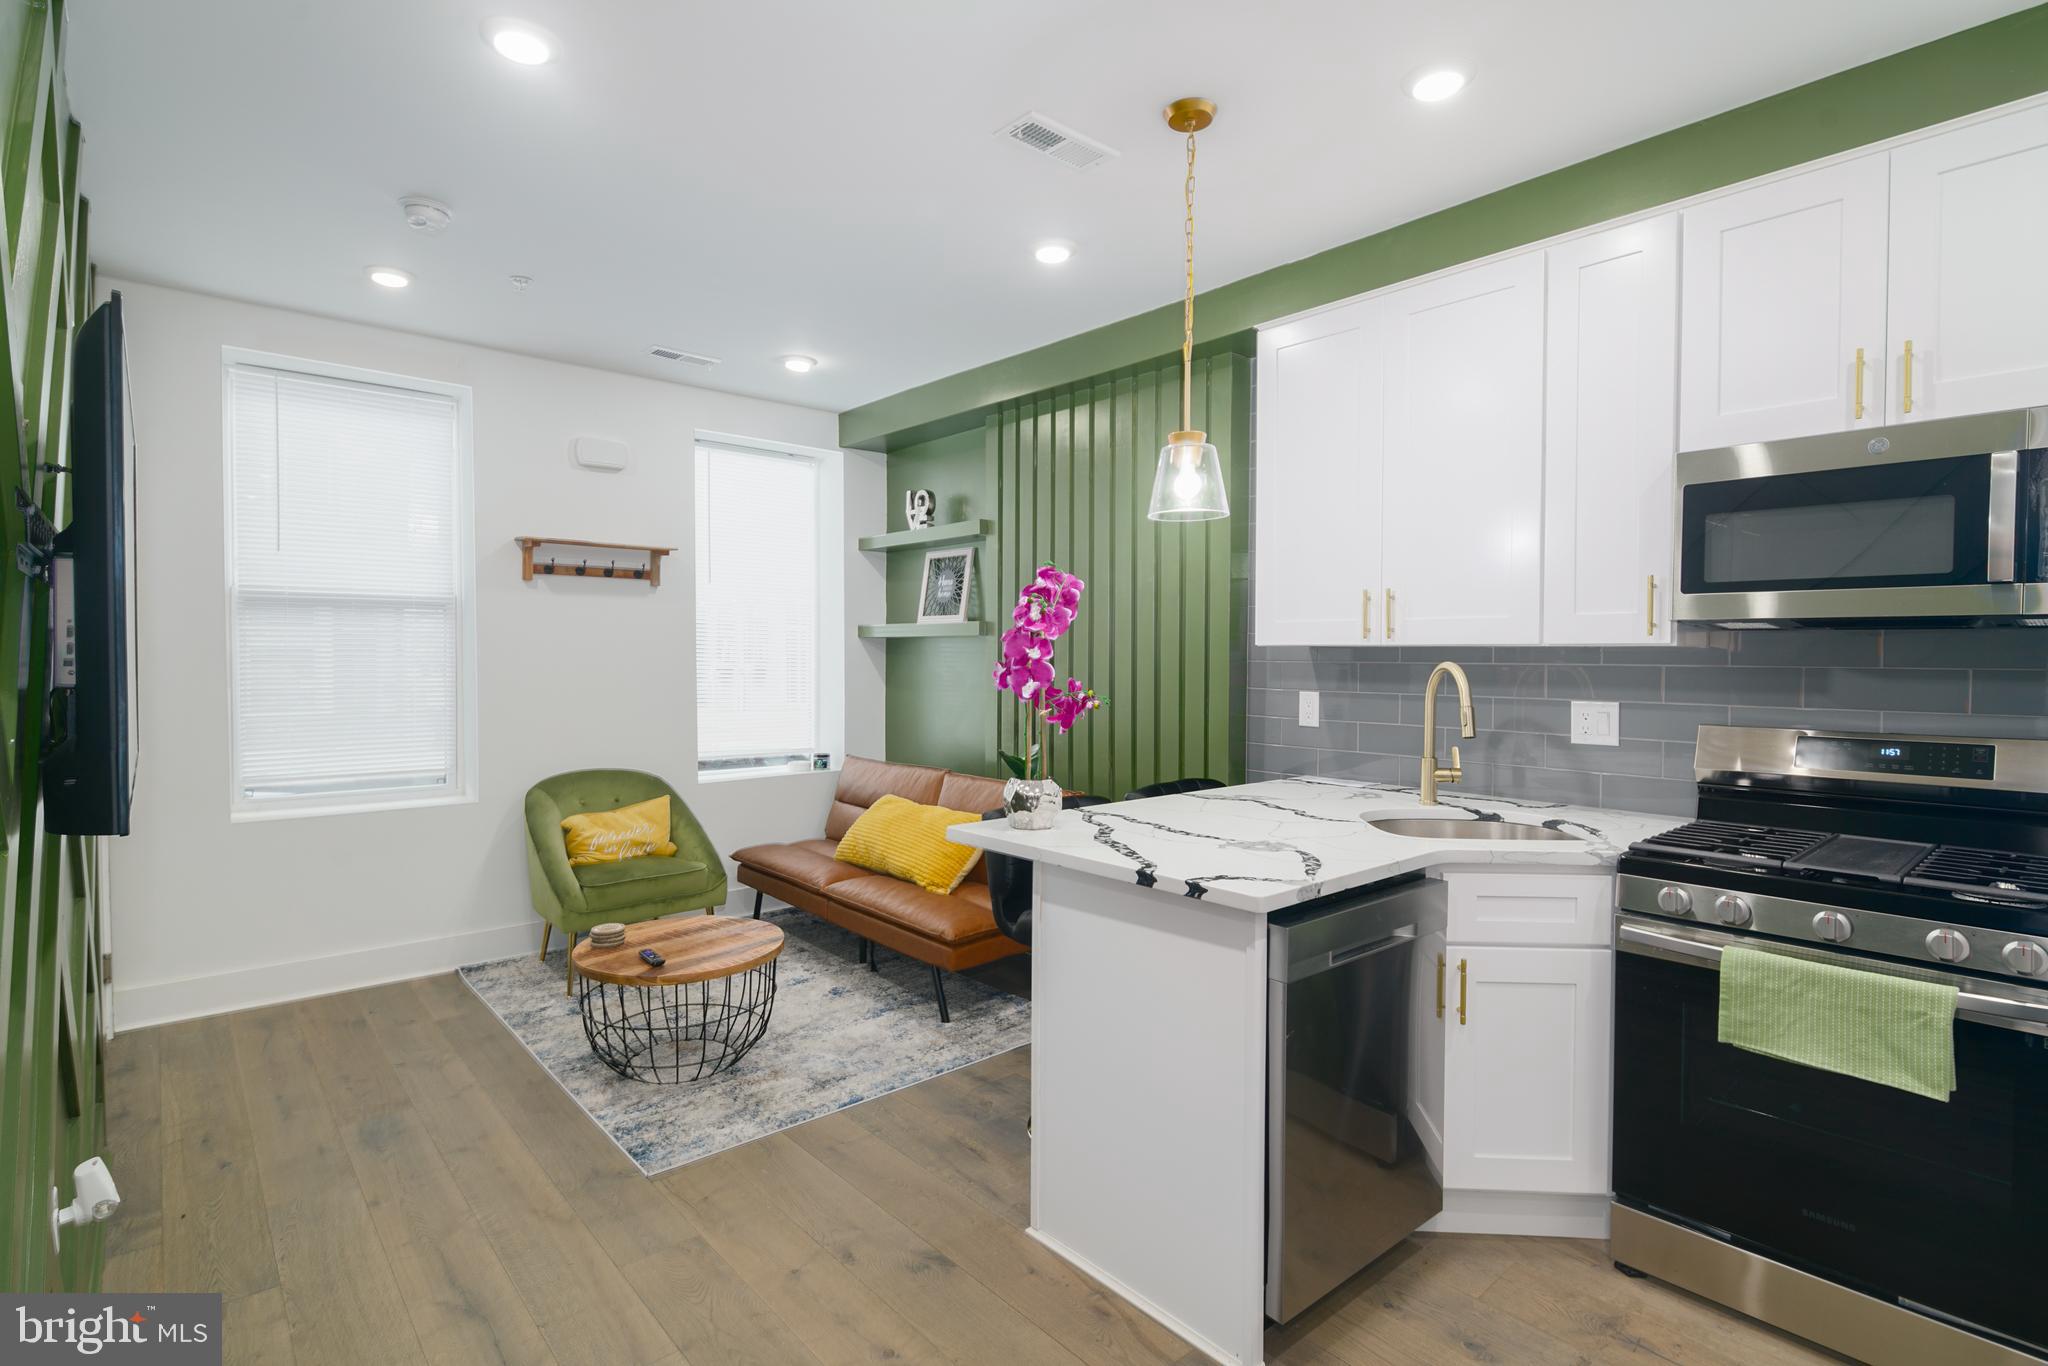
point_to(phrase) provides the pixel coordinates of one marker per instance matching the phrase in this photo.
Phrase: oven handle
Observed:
(2004, 1012)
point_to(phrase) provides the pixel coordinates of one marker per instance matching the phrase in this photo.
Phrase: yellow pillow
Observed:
(903, 839)
(636, 831)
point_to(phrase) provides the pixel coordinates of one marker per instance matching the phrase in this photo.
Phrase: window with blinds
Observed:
(757, 609)
(348, 581)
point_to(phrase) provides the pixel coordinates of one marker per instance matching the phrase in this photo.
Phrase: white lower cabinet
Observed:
(1526, 1069)
(1510, 1052)
(1426, 1046)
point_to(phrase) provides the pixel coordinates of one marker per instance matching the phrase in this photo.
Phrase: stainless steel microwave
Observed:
(1923, 524)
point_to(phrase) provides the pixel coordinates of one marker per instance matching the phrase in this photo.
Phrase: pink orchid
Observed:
(1046, 610)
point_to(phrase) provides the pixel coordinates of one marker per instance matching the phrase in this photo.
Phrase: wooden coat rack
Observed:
(581, 566)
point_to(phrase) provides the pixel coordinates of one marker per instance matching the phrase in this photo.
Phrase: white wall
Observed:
(211, 915)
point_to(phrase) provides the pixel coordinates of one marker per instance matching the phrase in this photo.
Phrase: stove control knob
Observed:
(1731, 909)
(1832, 926)
(1950, 946)
(1674, 901)
(2026, 958)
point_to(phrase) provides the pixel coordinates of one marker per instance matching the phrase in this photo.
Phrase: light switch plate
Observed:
(1596, 723)
(1311, 709)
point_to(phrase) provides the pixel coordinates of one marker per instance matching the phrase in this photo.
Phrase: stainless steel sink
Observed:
(1437, 828)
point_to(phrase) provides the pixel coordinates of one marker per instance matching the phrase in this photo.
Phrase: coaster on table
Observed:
(608, 936)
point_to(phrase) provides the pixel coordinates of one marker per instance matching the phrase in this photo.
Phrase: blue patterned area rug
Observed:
(840, 1035)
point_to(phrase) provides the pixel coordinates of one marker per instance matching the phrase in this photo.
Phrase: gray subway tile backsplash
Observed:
(1988, 681)
(1890, 689)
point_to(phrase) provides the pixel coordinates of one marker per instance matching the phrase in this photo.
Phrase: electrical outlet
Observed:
(1596, 723)
(1311, 709)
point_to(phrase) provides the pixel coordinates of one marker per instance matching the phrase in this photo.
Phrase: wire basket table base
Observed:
(678, 1033)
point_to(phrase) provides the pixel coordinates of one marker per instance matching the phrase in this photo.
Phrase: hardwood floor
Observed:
(387, 1176)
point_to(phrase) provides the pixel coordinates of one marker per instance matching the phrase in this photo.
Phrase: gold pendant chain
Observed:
(1187, 343)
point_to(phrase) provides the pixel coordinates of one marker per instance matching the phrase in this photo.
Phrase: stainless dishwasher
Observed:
(1346, 1178)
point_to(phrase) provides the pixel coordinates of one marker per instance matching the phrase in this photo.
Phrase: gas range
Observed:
(1802, 1196)
(1909, 848)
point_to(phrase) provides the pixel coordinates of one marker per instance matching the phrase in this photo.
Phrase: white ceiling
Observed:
(758, 177)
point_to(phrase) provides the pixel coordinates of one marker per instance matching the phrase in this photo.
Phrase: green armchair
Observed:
(574, 899)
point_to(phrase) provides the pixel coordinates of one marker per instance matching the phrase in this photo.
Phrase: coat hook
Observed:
(583, 568)
(613, 572)
(551, 564)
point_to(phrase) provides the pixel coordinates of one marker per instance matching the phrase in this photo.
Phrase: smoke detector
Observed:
(683, 357)
(425, 215)
(1062, 144)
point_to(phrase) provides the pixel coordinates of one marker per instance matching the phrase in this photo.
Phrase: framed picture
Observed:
(948, 576)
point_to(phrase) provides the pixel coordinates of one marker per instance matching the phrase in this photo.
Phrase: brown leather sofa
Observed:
(947, 933)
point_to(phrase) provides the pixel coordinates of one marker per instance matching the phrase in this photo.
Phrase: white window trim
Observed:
(464, 789)
(833, 628)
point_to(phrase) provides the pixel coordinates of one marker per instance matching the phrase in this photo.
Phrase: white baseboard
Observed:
(1525, 1214)
(1140, 1303)
(140, 1004)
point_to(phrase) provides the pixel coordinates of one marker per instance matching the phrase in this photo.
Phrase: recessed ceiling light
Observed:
(389, 276)
(518, 41)
(1438, 83)
(799, 365)
(1054, 253)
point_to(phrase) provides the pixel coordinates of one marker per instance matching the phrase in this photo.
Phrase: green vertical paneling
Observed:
(1141, 706)
(49, 956)
(1101, 622)
(1067, 477)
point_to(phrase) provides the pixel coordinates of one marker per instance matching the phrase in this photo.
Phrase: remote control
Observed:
(651, 958)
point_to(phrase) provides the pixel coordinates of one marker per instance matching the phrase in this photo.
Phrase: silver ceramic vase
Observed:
(1032, 803)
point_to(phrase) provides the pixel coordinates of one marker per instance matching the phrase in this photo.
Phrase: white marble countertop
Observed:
(1266, 846)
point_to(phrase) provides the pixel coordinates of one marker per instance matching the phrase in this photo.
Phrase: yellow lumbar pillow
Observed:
(636, 831)
(904, 839)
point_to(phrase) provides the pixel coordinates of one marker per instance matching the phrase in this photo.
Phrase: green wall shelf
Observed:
(930, 537)
(905, 630)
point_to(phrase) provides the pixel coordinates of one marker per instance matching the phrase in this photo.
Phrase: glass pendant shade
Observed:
(1189, 484)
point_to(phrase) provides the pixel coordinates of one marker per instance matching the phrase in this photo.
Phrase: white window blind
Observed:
(347, 528)
(757, 608)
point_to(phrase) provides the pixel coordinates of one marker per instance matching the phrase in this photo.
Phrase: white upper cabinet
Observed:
(1969, 269)
(1610, 424)
(1486, 457)
(1464, 456)
(1784, 284)
(1317, 575)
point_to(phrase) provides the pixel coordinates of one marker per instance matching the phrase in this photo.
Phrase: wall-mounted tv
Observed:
(90, 737)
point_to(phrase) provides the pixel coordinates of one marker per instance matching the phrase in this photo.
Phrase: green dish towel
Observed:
(1895, 1031)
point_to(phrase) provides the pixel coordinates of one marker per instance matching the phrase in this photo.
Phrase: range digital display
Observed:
(1910, 758)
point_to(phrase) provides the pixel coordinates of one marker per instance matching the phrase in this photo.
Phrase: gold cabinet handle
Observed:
(1439, 986)
(1650, 612)
(1859, 383)
(1461, 991)
(1909, 374)
(1390, 614)
(1365, 616)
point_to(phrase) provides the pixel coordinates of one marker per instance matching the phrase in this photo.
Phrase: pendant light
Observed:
(1189, 484)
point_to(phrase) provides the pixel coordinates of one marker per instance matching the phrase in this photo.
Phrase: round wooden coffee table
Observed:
(694, 1016)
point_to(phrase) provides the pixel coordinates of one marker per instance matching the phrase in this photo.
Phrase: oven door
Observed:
(1935, 1206)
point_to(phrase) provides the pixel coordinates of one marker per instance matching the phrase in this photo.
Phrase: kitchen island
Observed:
(1149, 1019)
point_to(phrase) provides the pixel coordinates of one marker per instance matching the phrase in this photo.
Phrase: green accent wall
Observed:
(935, 711)
(50, 1082)
(1963, 73)
(1066, 476)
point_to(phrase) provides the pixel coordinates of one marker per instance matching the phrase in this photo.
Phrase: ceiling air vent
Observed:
(686, 357)
(1062, 144)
